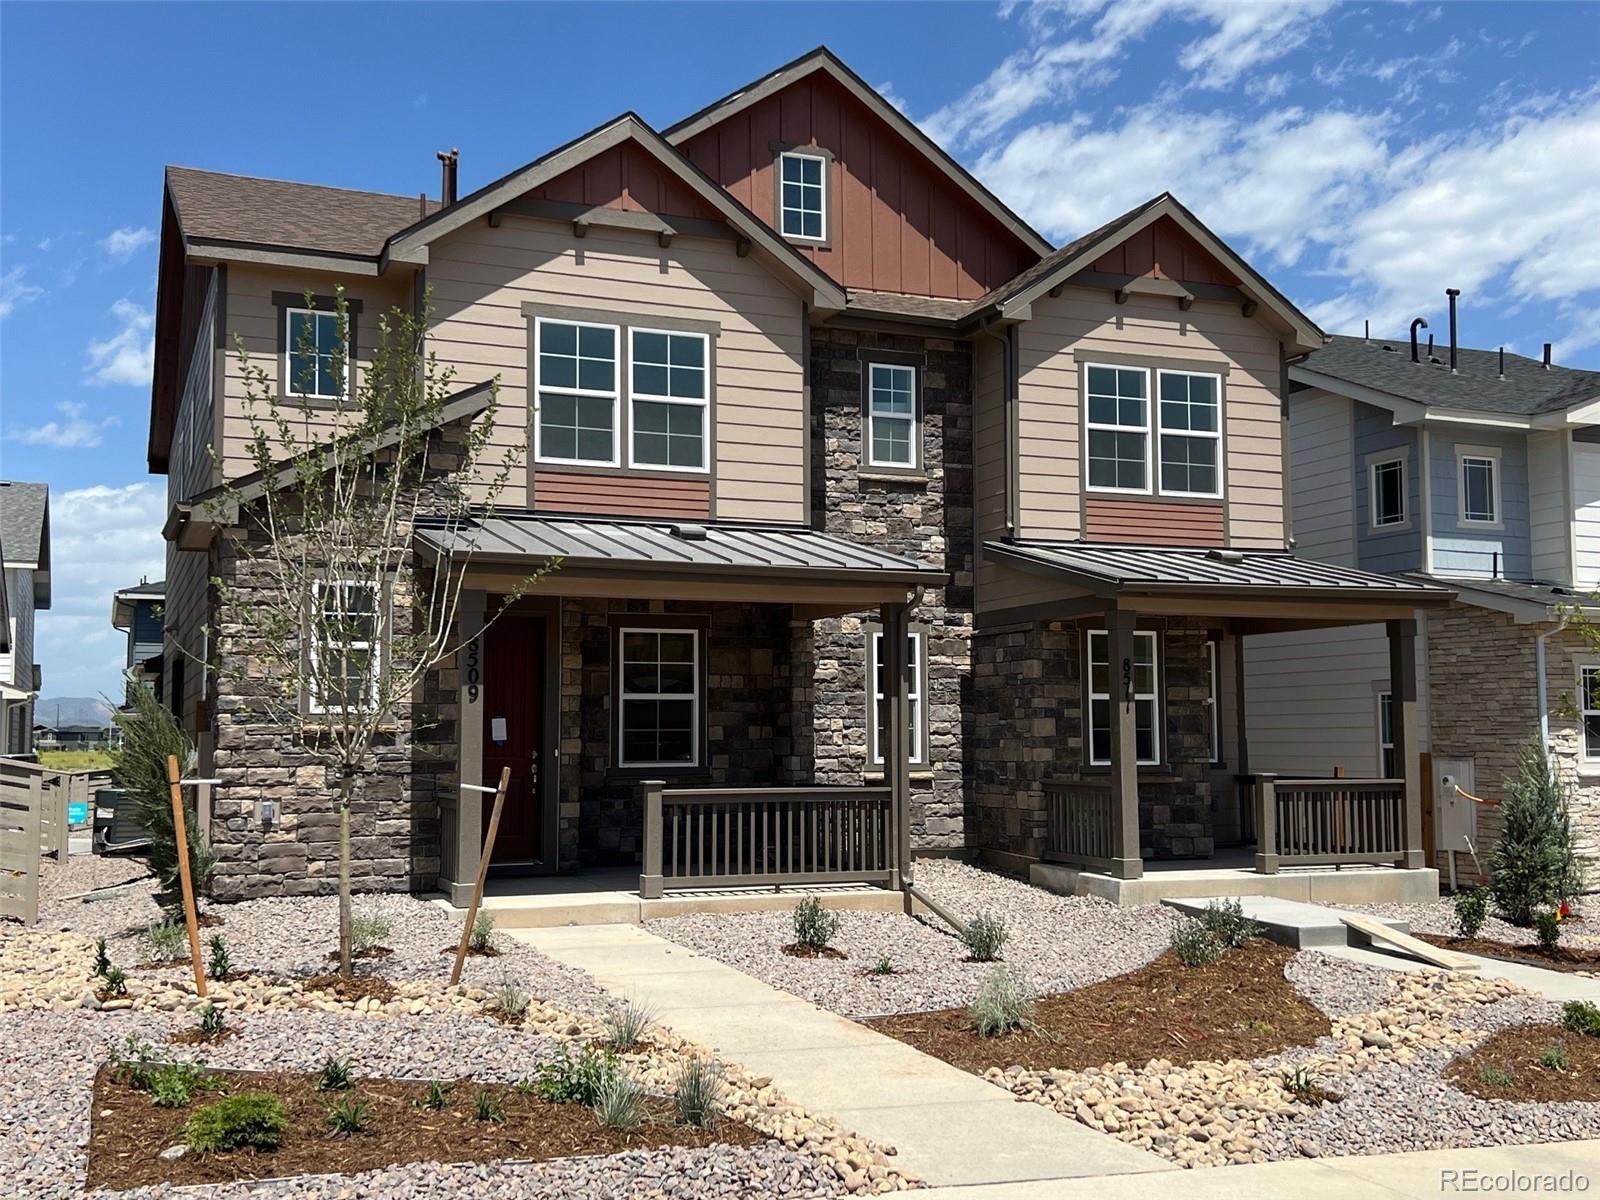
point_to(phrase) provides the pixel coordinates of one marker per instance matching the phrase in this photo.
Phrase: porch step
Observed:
(1295, 923)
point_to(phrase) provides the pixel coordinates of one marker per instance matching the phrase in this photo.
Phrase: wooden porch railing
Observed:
(1323, 822)
(1080, 822)
(730, 837)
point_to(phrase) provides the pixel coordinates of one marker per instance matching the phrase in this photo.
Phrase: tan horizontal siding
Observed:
(1151, 521)
(620, 495)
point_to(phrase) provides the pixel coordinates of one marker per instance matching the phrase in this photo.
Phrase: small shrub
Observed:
(1494, 1076)
(436, 1097)
(136, 1063)
(247, 1119)
(1547, 925)
(1004, 1002)
(1581, 1016)
(482, 939)
(814, 926)
(219, 963)
(510, 998)
(575, 1079)
(1300, 1083)
(350, 1115)
(1472, 910)
(165, 941)
(619, 1104)
(984, 937)
(488, 1107)
(1195, 944)
(884, 965)
(335, 1075)
(1534, 863)
(628, 1023)
(1554, 1057)
(1227, 923)
(210, 1021)
(116, 982)
(102, 960)
(367, 931)
(699, 1092)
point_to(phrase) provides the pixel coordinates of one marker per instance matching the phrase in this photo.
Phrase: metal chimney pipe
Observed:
(1419, 323)
(1547, 356)
(1366, 331)
(448, 160)
(1452, 293)
(1502, 362)
(1430, 345)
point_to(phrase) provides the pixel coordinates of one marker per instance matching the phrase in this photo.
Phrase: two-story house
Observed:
(25, 558)
(1479, 470)
(883, 524)
(136, 611)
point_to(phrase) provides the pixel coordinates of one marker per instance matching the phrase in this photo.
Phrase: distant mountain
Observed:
(72, 710)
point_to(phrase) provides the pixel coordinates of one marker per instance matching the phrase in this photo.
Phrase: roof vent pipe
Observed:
(1502, 362)
(448, 160)
(1419, 323)
(1430, 347)
(1366, 331)
(1547, 356)
(1452, 293)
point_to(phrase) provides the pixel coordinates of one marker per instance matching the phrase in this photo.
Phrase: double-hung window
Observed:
(575, 382)
(1104, 682)
(1118, 428)
(1388, 493)
(1589, 707)
(659, 697)
(1191, 433)
(669, 398)
(915, 679)
(344, 646)
(802, 196)
(891, 415)
(1480, 489)
(315, 364)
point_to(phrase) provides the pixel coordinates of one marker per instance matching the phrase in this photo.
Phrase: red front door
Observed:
(513, 724)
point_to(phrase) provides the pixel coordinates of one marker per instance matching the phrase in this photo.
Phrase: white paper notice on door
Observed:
(497, 729)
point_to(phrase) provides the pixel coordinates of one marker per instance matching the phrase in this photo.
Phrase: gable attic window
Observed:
(802, 196)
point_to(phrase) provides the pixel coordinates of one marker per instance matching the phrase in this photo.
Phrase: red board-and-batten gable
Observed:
(625, 177)
(897, 224)
(1164, 250)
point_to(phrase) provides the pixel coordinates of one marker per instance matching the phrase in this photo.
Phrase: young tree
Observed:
(1534, 864)
(331, 618)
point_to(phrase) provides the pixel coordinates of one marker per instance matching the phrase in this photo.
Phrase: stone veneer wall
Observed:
(928, 518)
(1028, 701)
(1484, 704)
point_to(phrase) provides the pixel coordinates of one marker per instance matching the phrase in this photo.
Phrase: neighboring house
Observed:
(858, 484)
(25, 554)
(1479, 471)
(72, 737)
(137, 612)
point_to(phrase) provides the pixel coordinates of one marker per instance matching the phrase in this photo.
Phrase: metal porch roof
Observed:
(675, 546)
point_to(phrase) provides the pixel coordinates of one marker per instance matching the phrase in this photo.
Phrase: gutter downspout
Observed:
(1544, 689)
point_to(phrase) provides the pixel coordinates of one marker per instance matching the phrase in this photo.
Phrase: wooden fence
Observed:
(730, 837)
(1323, 822)
(1080, 822)
(34, 803)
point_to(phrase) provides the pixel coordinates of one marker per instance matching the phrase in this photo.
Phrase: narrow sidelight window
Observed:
(343, 647)
(891, 416)
(1479, 490)
(575, 384)
(659, 692)
(1386, 765)
(1102, 679)
(1589, 698)
(1118, 428)
(1214, 701)
(914, 662)
(669, 398)
(1388, 493)
(802, 201)
(313, 354)
(1191, 433)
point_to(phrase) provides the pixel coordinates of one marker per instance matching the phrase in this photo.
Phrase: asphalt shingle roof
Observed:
(22, 520)
(1385, 366)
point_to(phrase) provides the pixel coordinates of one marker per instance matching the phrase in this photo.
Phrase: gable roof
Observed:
(1527, 388)
(25, 533)
(823, 59)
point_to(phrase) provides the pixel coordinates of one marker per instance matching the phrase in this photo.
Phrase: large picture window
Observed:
(1118, 428)
(891, 415)
(344, 646)
(575, 382)
(659, 697)
(669, 395)
(1146, 705)
(916, 682)
(312, 355)
(803, 196)
(1191, 433)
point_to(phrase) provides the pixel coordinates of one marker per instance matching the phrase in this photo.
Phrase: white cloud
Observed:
(101, 539)
(123, 244)
(73, 432)
(127, 356)
(15, 291)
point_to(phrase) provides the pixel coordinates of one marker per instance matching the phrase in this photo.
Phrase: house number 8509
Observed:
(474, 671)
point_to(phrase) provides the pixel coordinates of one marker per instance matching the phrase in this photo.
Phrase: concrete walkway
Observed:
(1380, 1177)
(1559, 986)
(948, 1126)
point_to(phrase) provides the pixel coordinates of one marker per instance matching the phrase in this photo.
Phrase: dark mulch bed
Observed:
(127, 1132)
(795, 950)
(1240, 1006)
(351, 987)
(1557, 958)
(1515, 1052)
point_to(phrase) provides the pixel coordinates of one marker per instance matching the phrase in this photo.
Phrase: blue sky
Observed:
(1363, 156)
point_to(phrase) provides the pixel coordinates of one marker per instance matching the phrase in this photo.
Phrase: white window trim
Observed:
(1484, 454)
(1382, 695)
(1372, 494)
(1154, 697)
(613, 395)
(289, 349)
(783, 209)
(623, 696)
(1590, 760)
(1160, 429)
(1147, 429)
(875, 698)
(914, 419)
(703, 404)
(1214, 700)
(374, 648)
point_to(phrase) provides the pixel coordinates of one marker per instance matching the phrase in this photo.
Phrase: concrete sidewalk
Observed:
(1559, 986)
(949, 1127)
(1380, 1177)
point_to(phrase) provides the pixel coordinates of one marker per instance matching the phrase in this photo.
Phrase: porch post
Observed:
(1265, 799)
(650, 877)
(896, 739)
(1407, 745)
(1125, 861)
(466, 846)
